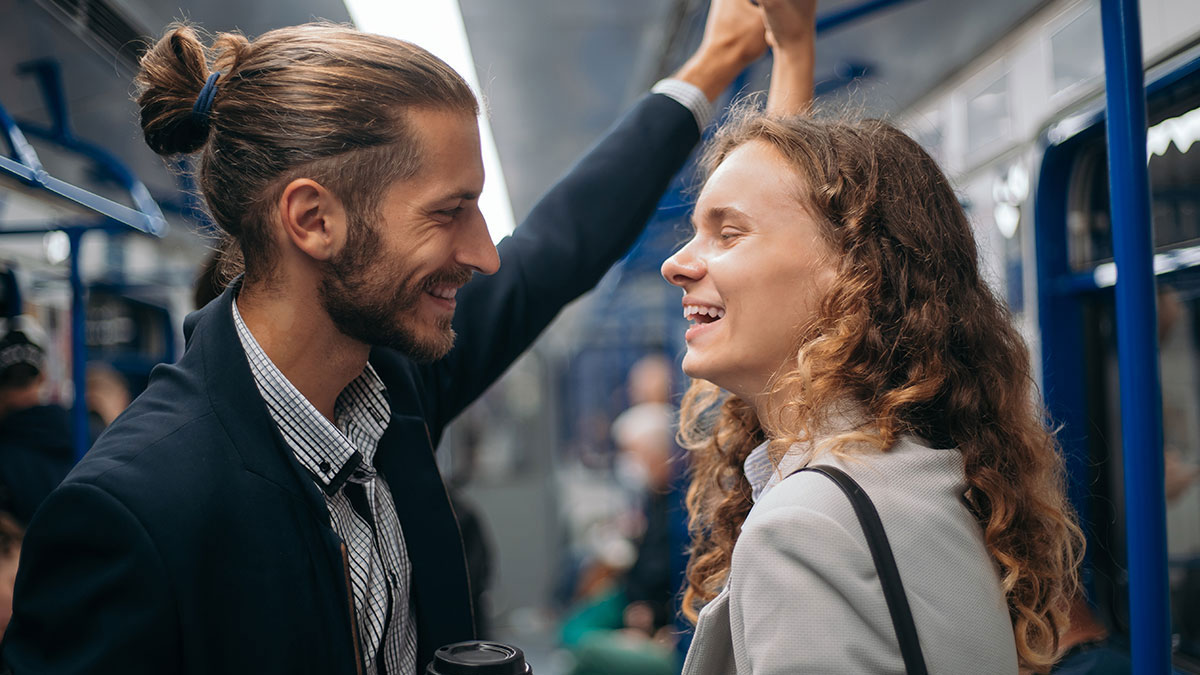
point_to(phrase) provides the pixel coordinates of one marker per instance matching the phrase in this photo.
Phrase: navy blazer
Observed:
(189, 540)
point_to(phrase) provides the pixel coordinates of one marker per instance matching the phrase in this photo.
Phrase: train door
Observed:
(1079, 352)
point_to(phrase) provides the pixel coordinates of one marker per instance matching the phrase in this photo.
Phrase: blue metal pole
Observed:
(1137, 339)
(79, 416)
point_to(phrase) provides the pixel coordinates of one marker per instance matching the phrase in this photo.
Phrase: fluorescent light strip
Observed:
(437, 25)
(1182, 131)
(1105, 274)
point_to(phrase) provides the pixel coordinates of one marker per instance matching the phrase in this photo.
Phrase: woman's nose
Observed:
(683, 267)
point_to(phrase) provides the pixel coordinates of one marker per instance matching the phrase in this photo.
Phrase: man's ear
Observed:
(313, 219)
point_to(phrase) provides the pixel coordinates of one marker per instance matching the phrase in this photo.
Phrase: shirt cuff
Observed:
(689, 96)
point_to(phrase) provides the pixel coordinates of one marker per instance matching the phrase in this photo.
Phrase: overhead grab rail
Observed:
(25, 166)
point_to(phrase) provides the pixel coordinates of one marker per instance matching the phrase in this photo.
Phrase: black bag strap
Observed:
(885, 566)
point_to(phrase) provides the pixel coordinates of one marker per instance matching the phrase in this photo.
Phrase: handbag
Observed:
(885, 566)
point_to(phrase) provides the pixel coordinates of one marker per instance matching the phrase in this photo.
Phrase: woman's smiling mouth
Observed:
(702, 318)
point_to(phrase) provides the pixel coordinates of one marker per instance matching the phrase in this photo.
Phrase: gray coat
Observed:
(803, 595)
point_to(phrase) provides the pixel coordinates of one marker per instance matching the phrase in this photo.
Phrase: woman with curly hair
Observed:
(840, 319)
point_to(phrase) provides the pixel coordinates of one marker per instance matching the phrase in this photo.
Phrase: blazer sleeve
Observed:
(91, 592)
(583, 225)
(805, 598)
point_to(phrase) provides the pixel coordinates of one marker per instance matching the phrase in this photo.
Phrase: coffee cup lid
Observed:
(478, 657)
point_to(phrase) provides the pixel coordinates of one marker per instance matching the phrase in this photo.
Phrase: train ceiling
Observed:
(555, 73)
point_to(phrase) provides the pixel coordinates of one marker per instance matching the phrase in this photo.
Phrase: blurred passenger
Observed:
(107, 397)
(1086, 647)
(626, 628)
(1181, 460)
(650, 380)
(270, 504)
(35, 445)
(839, 319)
(1181, 421)
(11, 533)
(35, 438)
(643, 435)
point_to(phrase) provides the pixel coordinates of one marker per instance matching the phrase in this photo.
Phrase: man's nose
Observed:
(477, 250)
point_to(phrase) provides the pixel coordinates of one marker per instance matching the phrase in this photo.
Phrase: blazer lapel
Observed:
(213, 346)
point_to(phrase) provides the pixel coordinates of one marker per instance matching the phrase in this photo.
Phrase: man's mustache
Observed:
(457, 276)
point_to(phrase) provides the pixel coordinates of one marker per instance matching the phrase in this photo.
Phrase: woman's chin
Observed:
(691, 367)
(697, 370)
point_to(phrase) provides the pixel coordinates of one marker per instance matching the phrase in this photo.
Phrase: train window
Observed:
(1174, 165)
(1076, 50)
(1179, 353)
(988, 116)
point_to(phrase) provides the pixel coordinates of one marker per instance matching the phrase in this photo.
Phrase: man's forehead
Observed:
(448, 143)
(435, 129)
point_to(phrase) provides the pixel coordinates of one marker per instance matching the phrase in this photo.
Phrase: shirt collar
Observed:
(331, 454)
(763, 474)
(758, 469)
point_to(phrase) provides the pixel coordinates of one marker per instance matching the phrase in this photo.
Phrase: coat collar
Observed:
(843, 418)
(440, 593)
(213, 346)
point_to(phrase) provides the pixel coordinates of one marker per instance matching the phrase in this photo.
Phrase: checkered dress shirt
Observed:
(340, 458)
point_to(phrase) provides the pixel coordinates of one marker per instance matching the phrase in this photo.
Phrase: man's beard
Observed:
(378, 305)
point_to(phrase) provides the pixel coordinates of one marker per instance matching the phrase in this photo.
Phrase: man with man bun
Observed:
(271, 503)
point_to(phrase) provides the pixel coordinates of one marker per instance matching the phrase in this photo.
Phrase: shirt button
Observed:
(324, 466)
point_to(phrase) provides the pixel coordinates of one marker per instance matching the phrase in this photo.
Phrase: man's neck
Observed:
(303, 343)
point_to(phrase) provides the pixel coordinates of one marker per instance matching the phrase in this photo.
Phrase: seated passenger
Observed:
(10, 554)
(840, 319)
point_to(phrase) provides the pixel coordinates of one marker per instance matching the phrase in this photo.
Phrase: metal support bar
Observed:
(1137, 339)
(146, 217)
(149, 216)
(24, 164)
(79, 414)
(94, 202)
(22, 151)
(49, 76)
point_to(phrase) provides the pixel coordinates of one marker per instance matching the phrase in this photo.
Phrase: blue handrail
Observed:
(25, 166)
(145, 216)
(1137, 340)
(24, 156)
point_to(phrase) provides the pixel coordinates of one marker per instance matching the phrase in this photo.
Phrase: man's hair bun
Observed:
(172, 74)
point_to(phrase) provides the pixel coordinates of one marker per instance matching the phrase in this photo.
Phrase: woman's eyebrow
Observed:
(720, 214)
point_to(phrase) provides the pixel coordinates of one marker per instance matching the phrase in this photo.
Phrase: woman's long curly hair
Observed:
(910, 332)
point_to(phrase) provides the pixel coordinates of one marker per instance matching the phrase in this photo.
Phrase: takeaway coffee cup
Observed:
(478, 657)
